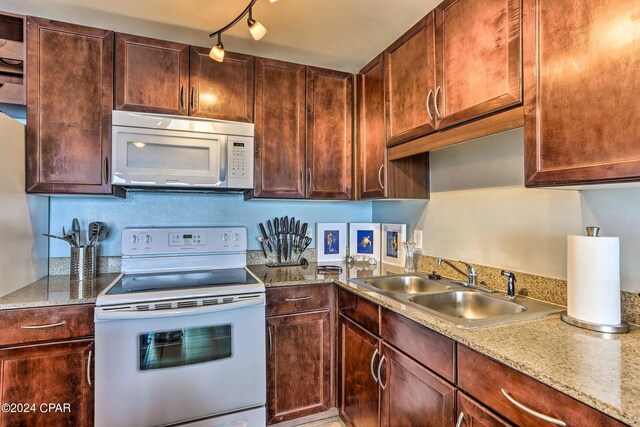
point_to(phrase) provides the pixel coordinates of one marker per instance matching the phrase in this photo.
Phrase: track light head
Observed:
(256, 28)
(217, 52)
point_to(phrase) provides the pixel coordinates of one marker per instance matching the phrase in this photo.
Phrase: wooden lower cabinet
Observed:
(411, 395)
(299, 365)
(473, 414)
(43, 374)
(359, 391)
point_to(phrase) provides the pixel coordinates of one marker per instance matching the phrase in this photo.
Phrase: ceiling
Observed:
(339, 34)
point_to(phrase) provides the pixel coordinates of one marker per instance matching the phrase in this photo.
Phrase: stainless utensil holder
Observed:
(83, 262)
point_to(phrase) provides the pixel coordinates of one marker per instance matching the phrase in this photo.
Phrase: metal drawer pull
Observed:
(460, 419)
(380, 176)
(270, 340)
(382, 360)
(373, 358)
(435, 101)
(531, 411)
(429, 106)
(51, 325)
(89, 367)
(298, 299)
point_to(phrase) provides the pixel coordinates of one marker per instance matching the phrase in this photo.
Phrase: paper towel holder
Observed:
(621, 328)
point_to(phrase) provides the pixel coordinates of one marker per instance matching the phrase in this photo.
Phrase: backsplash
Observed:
(529, 285)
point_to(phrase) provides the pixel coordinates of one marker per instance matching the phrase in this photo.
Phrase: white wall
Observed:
(23, 218)
(480, 212)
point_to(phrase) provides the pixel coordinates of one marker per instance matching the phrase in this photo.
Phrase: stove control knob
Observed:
(133, 239)
(147, 239)
(236, 237)
(225, 237)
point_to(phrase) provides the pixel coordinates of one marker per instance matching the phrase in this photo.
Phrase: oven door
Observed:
(166, 366)
(160, 157)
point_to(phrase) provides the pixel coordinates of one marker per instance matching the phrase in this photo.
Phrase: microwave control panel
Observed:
(240, 162)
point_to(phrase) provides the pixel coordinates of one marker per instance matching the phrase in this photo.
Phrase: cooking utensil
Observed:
(262, 243)
(75, 227)
(270, 225)
(97, 232)
(265, 237)
(303, 234)
(69, 240)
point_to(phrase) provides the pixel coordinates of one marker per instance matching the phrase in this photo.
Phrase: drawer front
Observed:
(297, 299)
(428, 347)
(485, 379)
(358, 309)
(28, 325)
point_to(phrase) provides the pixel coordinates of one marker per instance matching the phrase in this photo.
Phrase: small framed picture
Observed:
(364, 239)
(331, 238)
(393, 237)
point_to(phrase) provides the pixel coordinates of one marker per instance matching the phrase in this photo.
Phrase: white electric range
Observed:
(180, 334)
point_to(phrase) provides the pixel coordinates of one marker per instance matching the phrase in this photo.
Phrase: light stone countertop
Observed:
(57, 290)
(600, 370)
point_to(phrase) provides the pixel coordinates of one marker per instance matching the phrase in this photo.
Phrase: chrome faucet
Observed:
(472, 274)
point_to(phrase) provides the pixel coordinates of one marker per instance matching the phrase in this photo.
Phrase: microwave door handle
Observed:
(134, 314)
(224, 154)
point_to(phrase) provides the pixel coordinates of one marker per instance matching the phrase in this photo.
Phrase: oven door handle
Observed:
(134, 314)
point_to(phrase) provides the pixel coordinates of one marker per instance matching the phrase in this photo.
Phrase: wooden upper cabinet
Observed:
(412, 395)
(221, 90)
(280, 129)
(299, 364)
(151, 75)
(371, 137)
(474, 414)
(410, 83)
(582, 115)
(58, 373)
(329, 134)
(70, 99)
(12, 52)
(478, 51)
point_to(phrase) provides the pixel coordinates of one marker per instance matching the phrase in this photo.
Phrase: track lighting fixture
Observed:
(256, 29)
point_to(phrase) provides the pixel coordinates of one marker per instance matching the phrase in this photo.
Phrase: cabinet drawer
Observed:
(296, 299)
(29, 325)
(359, 310)
(485, 379)
(428, 347)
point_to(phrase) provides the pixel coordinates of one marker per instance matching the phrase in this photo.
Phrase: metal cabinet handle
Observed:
(380, 176)
(531, 411)
(435, 101)
(193, 97)
(51, 325)
(373, 358)
(310, 179)
(89, 367)
(298, 299)
(1, 84)
(302, 179)
(429, 104)
(382, 360)
(106, 170)
(182, 97)
(460, 419)
(270, 340)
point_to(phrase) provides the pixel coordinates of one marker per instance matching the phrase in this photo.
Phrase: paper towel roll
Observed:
(593, 279)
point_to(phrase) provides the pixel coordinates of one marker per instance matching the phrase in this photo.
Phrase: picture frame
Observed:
(364, 239)
(392, 244)
(331, 241)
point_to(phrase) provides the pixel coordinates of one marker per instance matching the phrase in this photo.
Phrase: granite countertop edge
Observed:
(455, 333)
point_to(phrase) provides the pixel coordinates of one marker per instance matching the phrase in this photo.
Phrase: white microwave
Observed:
(157, 150)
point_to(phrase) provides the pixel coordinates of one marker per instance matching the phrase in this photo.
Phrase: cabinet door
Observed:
(298, 365)
(329, 134)
(410, 83)
(412, 395)
(478, 50)
(280, 129)
(70, 99)
(582, 115)
(359, 356)
(372, 144)
(473, 414)
(221, 90)
(59, 373)
(151, 75)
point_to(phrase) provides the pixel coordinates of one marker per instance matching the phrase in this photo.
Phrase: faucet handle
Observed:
(470, 268)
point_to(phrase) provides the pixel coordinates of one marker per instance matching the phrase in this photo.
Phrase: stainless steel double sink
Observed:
(451, 301)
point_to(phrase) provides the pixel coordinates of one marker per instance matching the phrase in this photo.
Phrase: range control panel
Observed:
(173, 241)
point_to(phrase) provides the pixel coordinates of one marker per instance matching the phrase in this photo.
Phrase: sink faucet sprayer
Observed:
(511, 283)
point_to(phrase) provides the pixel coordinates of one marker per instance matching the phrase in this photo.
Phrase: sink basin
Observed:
(467, 305)
(409, 284)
